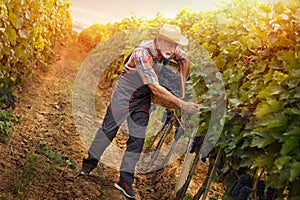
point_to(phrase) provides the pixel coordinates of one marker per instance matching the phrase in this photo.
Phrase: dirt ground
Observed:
(41, 159)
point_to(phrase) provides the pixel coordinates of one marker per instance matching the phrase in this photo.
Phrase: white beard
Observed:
(166, 54)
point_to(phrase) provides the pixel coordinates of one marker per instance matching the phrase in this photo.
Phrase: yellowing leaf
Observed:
(275, 120)
(263, 160)
(273, 37)
(263, 109)
(265, 8)
(13, 18)
(195, 27)
(11, 34)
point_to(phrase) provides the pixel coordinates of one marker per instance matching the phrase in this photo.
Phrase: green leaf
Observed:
(268, 107)
(295, 171)
(295, 131)
(263, 161)
(293, 83)
(287, 56)
(295, 73)
(19, 51)
(297, 95)
(292, 111)
(278, 179)
(282, 162)
(262, 142)
(235, 102)
(269, 76)
(274, 120)
(289, 144)
(275, 104)
(246, 161)
(220, 61)
(271, 89)
(246, 85)
(11, 34)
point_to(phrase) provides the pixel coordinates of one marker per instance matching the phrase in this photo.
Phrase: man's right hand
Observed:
(189, 107)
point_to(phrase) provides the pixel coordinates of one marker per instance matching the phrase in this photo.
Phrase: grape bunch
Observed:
(244, 193)
(270, 194)
(242, 188)
(196, 145)
(196, 142)
(260, 189)
(220, 170)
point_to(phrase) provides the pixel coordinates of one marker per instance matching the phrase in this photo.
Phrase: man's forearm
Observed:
(164, 94)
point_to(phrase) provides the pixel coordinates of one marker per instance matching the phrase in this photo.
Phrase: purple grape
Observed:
(248, 115)
(245, 180)
(197, 140)
(260, 188)
(270, 193)
(236, 114)
(236, 189)
(244, 193)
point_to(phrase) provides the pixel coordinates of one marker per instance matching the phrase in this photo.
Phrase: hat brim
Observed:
(182, 40)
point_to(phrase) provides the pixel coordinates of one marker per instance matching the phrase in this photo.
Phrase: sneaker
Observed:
(125, 188)
(84, 171)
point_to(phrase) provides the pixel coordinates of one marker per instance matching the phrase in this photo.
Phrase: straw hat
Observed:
(171, 33)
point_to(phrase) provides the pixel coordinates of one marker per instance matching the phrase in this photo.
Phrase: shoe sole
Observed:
(82, 174)
(121, 189)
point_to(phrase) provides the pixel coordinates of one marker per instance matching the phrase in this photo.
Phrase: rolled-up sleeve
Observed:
(144, 66)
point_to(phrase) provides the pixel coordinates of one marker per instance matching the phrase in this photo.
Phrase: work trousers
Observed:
(137, 116)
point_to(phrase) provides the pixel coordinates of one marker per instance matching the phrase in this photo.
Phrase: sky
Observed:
(103, 11)
(88, 12)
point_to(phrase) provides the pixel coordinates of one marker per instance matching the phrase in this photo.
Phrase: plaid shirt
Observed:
(142, 62)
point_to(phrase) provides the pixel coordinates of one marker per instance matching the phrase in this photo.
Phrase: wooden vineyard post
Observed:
(181, 192)
(206, 184)
(189, 157)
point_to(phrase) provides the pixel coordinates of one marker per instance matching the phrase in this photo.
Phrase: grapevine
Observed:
(254, 46)
(30, 31)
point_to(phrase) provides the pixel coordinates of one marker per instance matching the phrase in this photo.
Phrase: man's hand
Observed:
(163, 93)
(189, 107)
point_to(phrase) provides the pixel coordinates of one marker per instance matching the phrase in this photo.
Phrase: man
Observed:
(131, 101)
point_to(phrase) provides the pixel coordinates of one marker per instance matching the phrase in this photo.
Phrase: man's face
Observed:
(166, 48)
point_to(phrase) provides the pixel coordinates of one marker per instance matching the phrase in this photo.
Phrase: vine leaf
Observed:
(295, 171)
(263, 160)
(262, 142)
(11, 34)
(288, 145)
